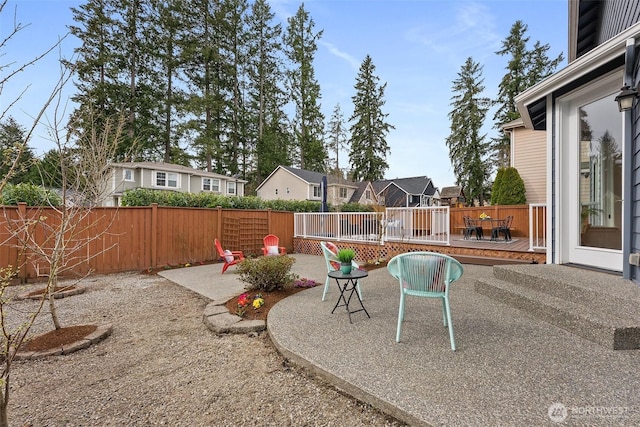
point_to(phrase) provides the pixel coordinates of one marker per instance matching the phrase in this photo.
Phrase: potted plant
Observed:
(346, 256)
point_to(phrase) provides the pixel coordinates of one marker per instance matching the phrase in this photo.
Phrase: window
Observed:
(367, 195)
(127, 174)
(206, 184)
(166, 179)
(210, 184)
(343, 193)
(316, 191)
(231, 187)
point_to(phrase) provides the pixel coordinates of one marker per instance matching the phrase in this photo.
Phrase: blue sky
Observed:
(417, 47)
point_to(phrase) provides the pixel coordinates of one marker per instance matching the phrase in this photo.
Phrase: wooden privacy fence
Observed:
(519, 227)
(110, 240)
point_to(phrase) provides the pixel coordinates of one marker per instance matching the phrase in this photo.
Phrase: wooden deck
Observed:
(487, 252)
(471, 251)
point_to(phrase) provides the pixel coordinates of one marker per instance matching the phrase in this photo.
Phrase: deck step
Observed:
(600, 307)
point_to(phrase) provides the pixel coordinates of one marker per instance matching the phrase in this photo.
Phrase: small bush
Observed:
(31, 194)
(267, 273)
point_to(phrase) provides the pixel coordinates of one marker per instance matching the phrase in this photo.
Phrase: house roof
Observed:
(170, 167)
(310, 177)
(451, 192)
(517, 123)
(412, 185)
(316, 177)
(355, 197)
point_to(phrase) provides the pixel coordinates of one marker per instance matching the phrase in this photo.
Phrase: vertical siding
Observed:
(634, 227)
(616, 16)
(531, 162)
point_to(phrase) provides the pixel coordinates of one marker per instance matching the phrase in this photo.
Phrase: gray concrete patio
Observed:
(509, 369)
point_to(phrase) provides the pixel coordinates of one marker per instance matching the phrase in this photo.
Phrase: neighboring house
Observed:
(364, 194)
(287, 183)
(167, 176)
(406, 192)
(529, 157)
(452, 196)
(592, 155)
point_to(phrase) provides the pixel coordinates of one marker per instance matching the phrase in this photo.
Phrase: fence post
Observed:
(22, 214)
(154, 235)
(269, 220)
(219, 230)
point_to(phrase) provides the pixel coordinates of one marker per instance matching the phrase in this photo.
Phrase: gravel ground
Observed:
(162, 366)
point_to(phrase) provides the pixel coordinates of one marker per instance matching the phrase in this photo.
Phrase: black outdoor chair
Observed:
(470, 227)
(503, 228)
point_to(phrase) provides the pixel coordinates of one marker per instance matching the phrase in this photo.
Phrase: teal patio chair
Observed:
(330, 251)
(427, 275)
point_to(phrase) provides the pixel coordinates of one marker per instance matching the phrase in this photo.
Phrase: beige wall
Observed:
(529, 157)
(285, 186)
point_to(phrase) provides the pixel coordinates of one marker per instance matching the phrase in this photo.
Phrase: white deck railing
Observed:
(425, 224)
(537, 226)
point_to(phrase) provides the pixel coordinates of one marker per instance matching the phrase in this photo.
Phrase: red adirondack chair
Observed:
(229, 257)
(271, 246)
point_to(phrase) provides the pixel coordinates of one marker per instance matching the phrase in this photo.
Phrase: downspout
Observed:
(627, 197)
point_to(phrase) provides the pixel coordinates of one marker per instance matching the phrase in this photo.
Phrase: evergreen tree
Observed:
(300, 41)
(12, 145)
(467, 147)
(337, 137)
(267, 128)
(369, 148)
(235, 44)
(166, 36)
(508, 188)
(524, 69)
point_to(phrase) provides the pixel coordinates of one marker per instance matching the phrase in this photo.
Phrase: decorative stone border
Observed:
(102, 332)
(218, 319)
(72, 290)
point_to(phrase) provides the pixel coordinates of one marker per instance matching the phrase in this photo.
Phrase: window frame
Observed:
(124, 175)
(167, 179)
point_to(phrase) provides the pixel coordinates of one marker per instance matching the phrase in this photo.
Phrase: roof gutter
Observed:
(599, 56)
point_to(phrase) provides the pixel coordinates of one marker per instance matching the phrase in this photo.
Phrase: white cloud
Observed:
(470, 34)
(333, 50)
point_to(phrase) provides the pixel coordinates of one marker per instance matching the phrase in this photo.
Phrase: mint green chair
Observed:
(330, 252)
(427, 275)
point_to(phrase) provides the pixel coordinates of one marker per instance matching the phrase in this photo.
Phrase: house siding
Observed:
(616, 16)
(634, 226)
(530, 160)
(285, 186)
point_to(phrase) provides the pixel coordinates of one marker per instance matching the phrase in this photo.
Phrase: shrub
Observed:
(508, 188)
(267, 273)
(145, 197)
(31, 194)
(356, 207)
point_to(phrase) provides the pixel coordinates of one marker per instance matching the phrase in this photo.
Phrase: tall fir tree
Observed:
(524, 69)
(369, 148)
(301, 46)
(337, 139)
(204, 71)
(166, 34)
(468, 149)
(267, 127)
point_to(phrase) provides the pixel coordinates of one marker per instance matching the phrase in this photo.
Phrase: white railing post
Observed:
(535, 232)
